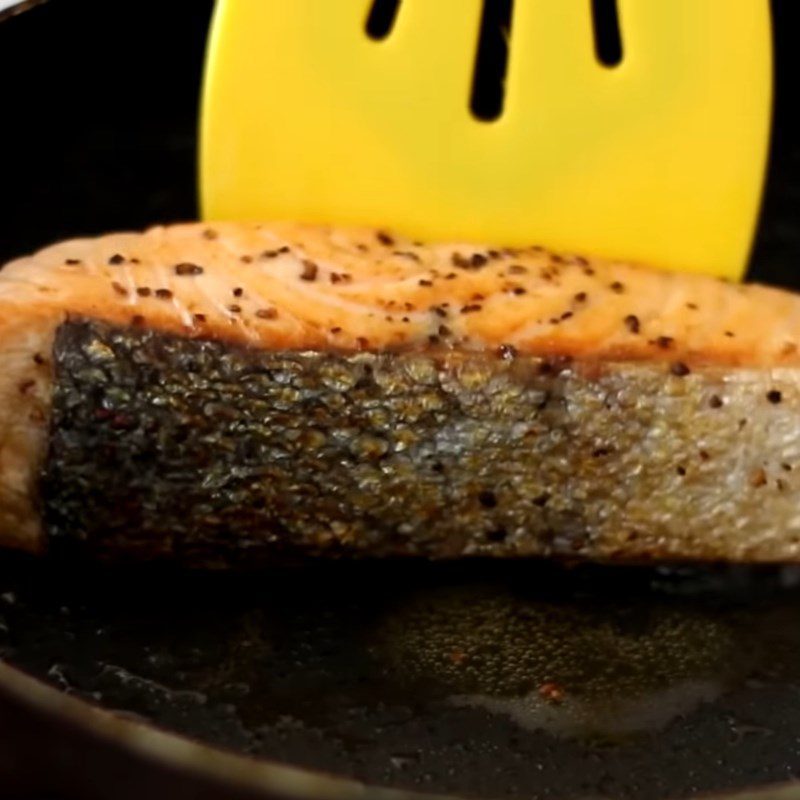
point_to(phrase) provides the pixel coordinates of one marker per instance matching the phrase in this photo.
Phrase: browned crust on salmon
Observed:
(287, 287)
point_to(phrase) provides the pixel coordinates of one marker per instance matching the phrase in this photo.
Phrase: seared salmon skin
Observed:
(232, 394)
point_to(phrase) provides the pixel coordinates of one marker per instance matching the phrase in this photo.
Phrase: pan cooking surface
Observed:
(490, 680)
(486, 680)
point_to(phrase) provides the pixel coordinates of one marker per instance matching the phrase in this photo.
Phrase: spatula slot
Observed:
(491, 60)
(607, 36)
(381, 17)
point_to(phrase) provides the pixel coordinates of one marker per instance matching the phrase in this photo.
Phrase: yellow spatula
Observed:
(659, 158)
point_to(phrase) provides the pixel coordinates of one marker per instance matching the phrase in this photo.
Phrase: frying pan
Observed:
(353, 680)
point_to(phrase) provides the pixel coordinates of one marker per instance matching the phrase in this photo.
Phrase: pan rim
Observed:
(147, 744)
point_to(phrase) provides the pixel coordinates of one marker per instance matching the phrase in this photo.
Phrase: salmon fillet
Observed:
(226, 393)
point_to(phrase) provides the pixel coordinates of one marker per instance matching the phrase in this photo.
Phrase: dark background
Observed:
(98, 111)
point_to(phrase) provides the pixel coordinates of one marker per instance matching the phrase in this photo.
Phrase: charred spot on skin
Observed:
(137, 320)
(580, 297)
(487, 499)
(406, 254)
(72, 262)
(267, 313)
(471, 308)
(519, 290)
(187, 268)
(362, 342)
(237, 291)
(116, 259)
(310, 270)
(210, 234)
(163, 294)
(664, 342)
(39, 359)
(424, 282)
(384, 238)
(444, 331)
(517, 269)
(730, 334)
(617, 287)
(119, 288)
(199, 318)
(336, 330)
(715, 401)
(246, 259)
(774, 396)
(681, 470)
(144, 291)
(692, 306)
(234, 308)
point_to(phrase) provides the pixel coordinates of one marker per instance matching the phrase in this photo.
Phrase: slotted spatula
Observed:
(659, 158)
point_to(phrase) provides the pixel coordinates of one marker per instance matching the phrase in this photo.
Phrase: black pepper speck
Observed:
(186, 268)
(632, 323)
(679, 368)
(310, 270)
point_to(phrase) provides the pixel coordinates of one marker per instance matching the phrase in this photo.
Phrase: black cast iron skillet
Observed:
(481, 680)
